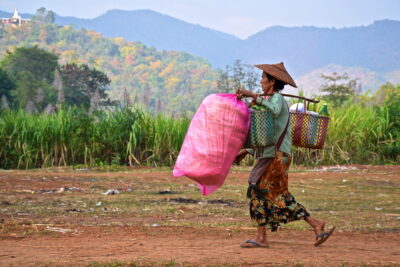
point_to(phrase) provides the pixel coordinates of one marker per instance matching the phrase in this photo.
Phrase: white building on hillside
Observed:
(15, 20)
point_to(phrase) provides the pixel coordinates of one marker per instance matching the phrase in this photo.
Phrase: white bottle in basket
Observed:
(297, 107)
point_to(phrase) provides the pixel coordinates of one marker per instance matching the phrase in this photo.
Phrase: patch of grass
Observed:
(16, 229)
(351, 202)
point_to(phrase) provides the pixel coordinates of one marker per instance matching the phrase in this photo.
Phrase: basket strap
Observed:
(280, 140)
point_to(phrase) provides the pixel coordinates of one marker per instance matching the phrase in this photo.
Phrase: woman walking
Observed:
(271, 204)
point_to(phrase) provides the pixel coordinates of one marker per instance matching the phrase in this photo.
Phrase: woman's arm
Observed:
(274, 104)
(242, 154)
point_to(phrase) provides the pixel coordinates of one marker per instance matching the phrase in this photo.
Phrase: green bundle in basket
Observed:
(261, 132)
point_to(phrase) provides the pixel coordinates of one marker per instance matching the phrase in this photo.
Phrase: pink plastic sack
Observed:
(215, 136)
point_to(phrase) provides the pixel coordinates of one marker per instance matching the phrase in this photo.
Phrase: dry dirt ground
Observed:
(32, 237)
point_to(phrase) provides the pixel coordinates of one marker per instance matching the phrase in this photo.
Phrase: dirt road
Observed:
(42, 240)
(198, 247)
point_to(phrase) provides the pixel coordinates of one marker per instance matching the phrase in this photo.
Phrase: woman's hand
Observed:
(240, 156)
(252, 103)
(246, 93)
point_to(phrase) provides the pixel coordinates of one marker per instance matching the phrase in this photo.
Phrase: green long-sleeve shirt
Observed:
(278, 106)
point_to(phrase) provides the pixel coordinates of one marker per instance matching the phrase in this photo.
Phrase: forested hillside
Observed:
(374, 47)
(304, 49)
(367, 53)
(167, 81)
(162, 32)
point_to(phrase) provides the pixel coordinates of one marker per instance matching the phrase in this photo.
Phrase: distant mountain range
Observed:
(368, 79)
(372, 49)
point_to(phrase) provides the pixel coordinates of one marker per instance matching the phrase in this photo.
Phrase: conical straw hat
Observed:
(277, 71)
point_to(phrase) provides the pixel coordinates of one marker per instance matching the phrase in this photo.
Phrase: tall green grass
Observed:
(71, 136)
(356, 134)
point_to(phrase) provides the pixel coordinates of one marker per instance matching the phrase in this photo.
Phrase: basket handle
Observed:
(302, 97)
(306, 100)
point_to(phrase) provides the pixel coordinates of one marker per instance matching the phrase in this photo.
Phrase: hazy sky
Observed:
(239, 17)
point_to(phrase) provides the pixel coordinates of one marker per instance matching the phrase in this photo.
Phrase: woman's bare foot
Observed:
(319, 228)
(317, 225)
(255, 244)
(259, 242)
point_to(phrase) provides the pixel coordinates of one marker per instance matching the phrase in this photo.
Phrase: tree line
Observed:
(32, 79)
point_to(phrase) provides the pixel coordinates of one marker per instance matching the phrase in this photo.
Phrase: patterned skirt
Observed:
(271, 203)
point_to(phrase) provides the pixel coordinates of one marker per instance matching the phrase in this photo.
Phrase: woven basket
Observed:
(261, 132)
(308, 130)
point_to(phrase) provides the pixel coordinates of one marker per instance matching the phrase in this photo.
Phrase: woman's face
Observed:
(267, 85)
